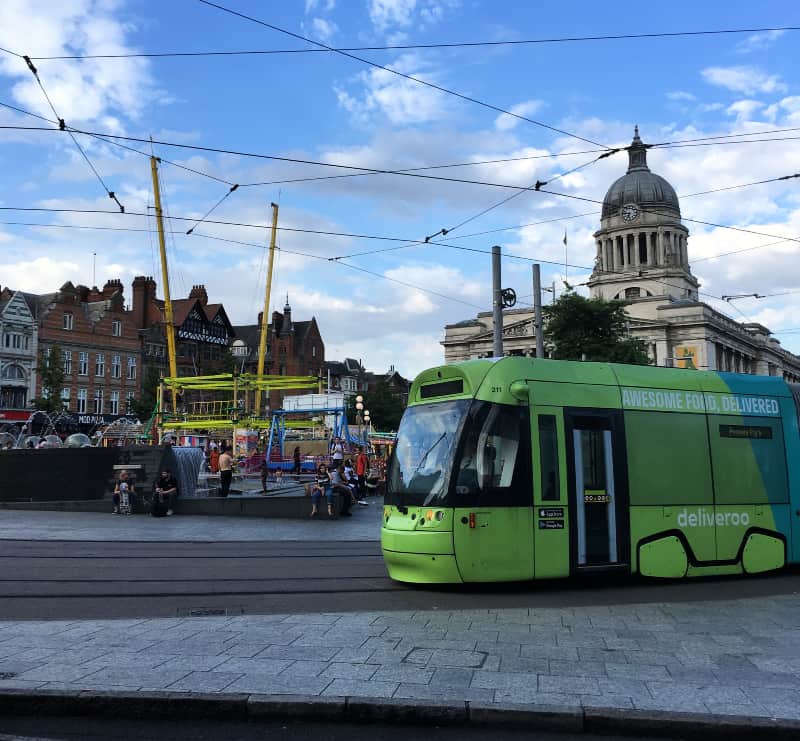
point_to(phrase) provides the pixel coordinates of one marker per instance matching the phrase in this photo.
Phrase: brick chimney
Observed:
(199, 292)
(144, 294)
(111, 287)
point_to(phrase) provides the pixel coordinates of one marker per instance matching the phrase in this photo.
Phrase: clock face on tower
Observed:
(629, 213)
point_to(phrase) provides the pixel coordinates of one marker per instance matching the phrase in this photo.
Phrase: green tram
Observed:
(515, 469)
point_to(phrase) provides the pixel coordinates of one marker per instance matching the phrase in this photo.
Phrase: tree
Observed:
(385, 408)
(143, 406)
(578, 328)
(51, 374)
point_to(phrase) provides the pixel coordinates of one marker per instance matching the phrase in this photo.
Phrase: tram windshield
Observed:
(461, 453)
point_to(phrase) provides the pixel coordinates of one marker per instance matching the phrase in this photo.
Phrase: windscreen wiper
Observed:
(401, 506)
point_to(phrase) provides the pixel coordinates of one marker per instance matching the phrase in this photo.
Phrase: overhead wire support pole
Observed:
(497, 304)
(169, 320)
(537, 309)
(262, 345)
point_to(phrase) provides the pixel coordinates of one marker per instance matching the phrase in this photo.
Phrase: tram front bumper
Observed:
(420, 557)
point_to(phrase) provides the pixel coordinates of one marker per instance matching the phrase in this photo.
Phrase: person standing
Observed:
(337, 452)
(362, 469)
(225, 471)
(121, 495)
(296, 460)
(213, 459)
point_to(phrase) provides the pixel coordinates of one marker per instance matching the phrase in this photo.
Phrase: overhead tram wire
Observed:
(405, 76)
(358, 254)
(354, 267)
(42, 209)
(63, 127)
(104, 138)
(537, 185)
(406, 47)
(295, 160)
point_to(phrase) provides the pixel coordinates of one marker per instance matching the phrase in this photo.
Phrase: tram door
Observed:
(598, 496)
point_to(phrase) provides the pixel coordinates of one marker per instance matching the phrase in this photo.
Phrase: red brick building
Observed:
(100, 348)
(203, 332)
(293, 349)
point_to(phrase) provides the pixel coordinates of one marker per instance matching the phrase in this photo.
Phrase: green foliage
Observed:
(385, 408)
(143, 406)
(51, 374)
(578, 328)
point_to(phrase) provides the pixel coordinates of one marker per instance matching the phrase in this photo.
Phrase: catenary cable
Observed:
(62, 125)
(406, 47)
(417, 80)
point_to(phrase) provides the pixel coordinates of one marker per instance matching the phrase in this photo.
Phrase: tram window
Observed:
(548, 457)
(494, 465)
(594, 462)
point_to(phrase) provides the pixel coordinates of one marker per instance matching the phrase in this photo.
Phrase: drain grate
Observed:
(7, 675)
(210, 611)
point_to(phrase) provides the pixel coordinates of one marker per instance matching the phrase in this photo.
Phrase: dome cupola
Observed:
(639, 186)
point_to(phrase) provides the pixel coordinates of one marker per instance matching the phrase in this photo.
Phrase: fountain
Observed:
(185, 464)
(78, 440)
(121, 431)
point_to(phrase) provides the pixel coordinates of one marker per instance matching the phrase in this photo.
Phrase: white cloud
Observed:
(744, 109)
(324, 6)
(398, 99)
(758, 41)
(39, 274)
(323, 30)
(88, 90)
(391, 16)
(386, 13)
(680, 95)
(504, 122)
(742, 79)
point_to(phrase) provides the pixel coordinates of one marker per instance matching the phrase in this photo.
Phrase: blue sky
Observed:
(325, 107)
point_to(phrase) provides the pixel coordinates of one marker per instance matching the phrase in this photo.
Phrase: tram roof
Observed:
(509, 369)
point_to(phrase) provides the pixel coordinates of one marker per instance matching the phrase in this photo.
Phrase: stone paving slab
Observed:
(717, 660)
(364, 525)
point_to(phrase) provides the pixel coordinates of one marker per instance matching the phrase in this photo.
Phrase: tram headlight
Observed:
(429, 515)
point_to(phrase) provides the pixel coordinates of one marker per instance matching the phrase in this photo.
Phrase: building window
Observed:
(313, 351)
(634, 292)
(14, 341)
(116, 328)
(66, 356)
(98, 401)
(131, 367)
(81, 401)
(114, 401)
(13, 373)
(83, 363)
(65, 397)
(116, 366)
(100, 364)
(67, 320)
(128, 402)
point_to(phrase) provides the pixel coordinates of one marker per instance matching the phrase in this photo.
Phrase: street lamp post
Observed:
(360, 415)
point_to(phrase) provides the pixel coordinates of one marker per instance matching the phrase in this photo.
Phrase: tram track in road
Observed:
(75, 579)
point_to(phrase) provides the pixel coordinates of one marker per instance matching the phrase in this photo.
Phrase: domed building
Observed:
(641, 243)
(642, 258)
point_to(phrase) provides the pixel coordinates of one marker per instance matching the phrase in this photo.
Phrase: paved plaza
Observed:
(731, 658)
(737, 657)
(364, 525)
